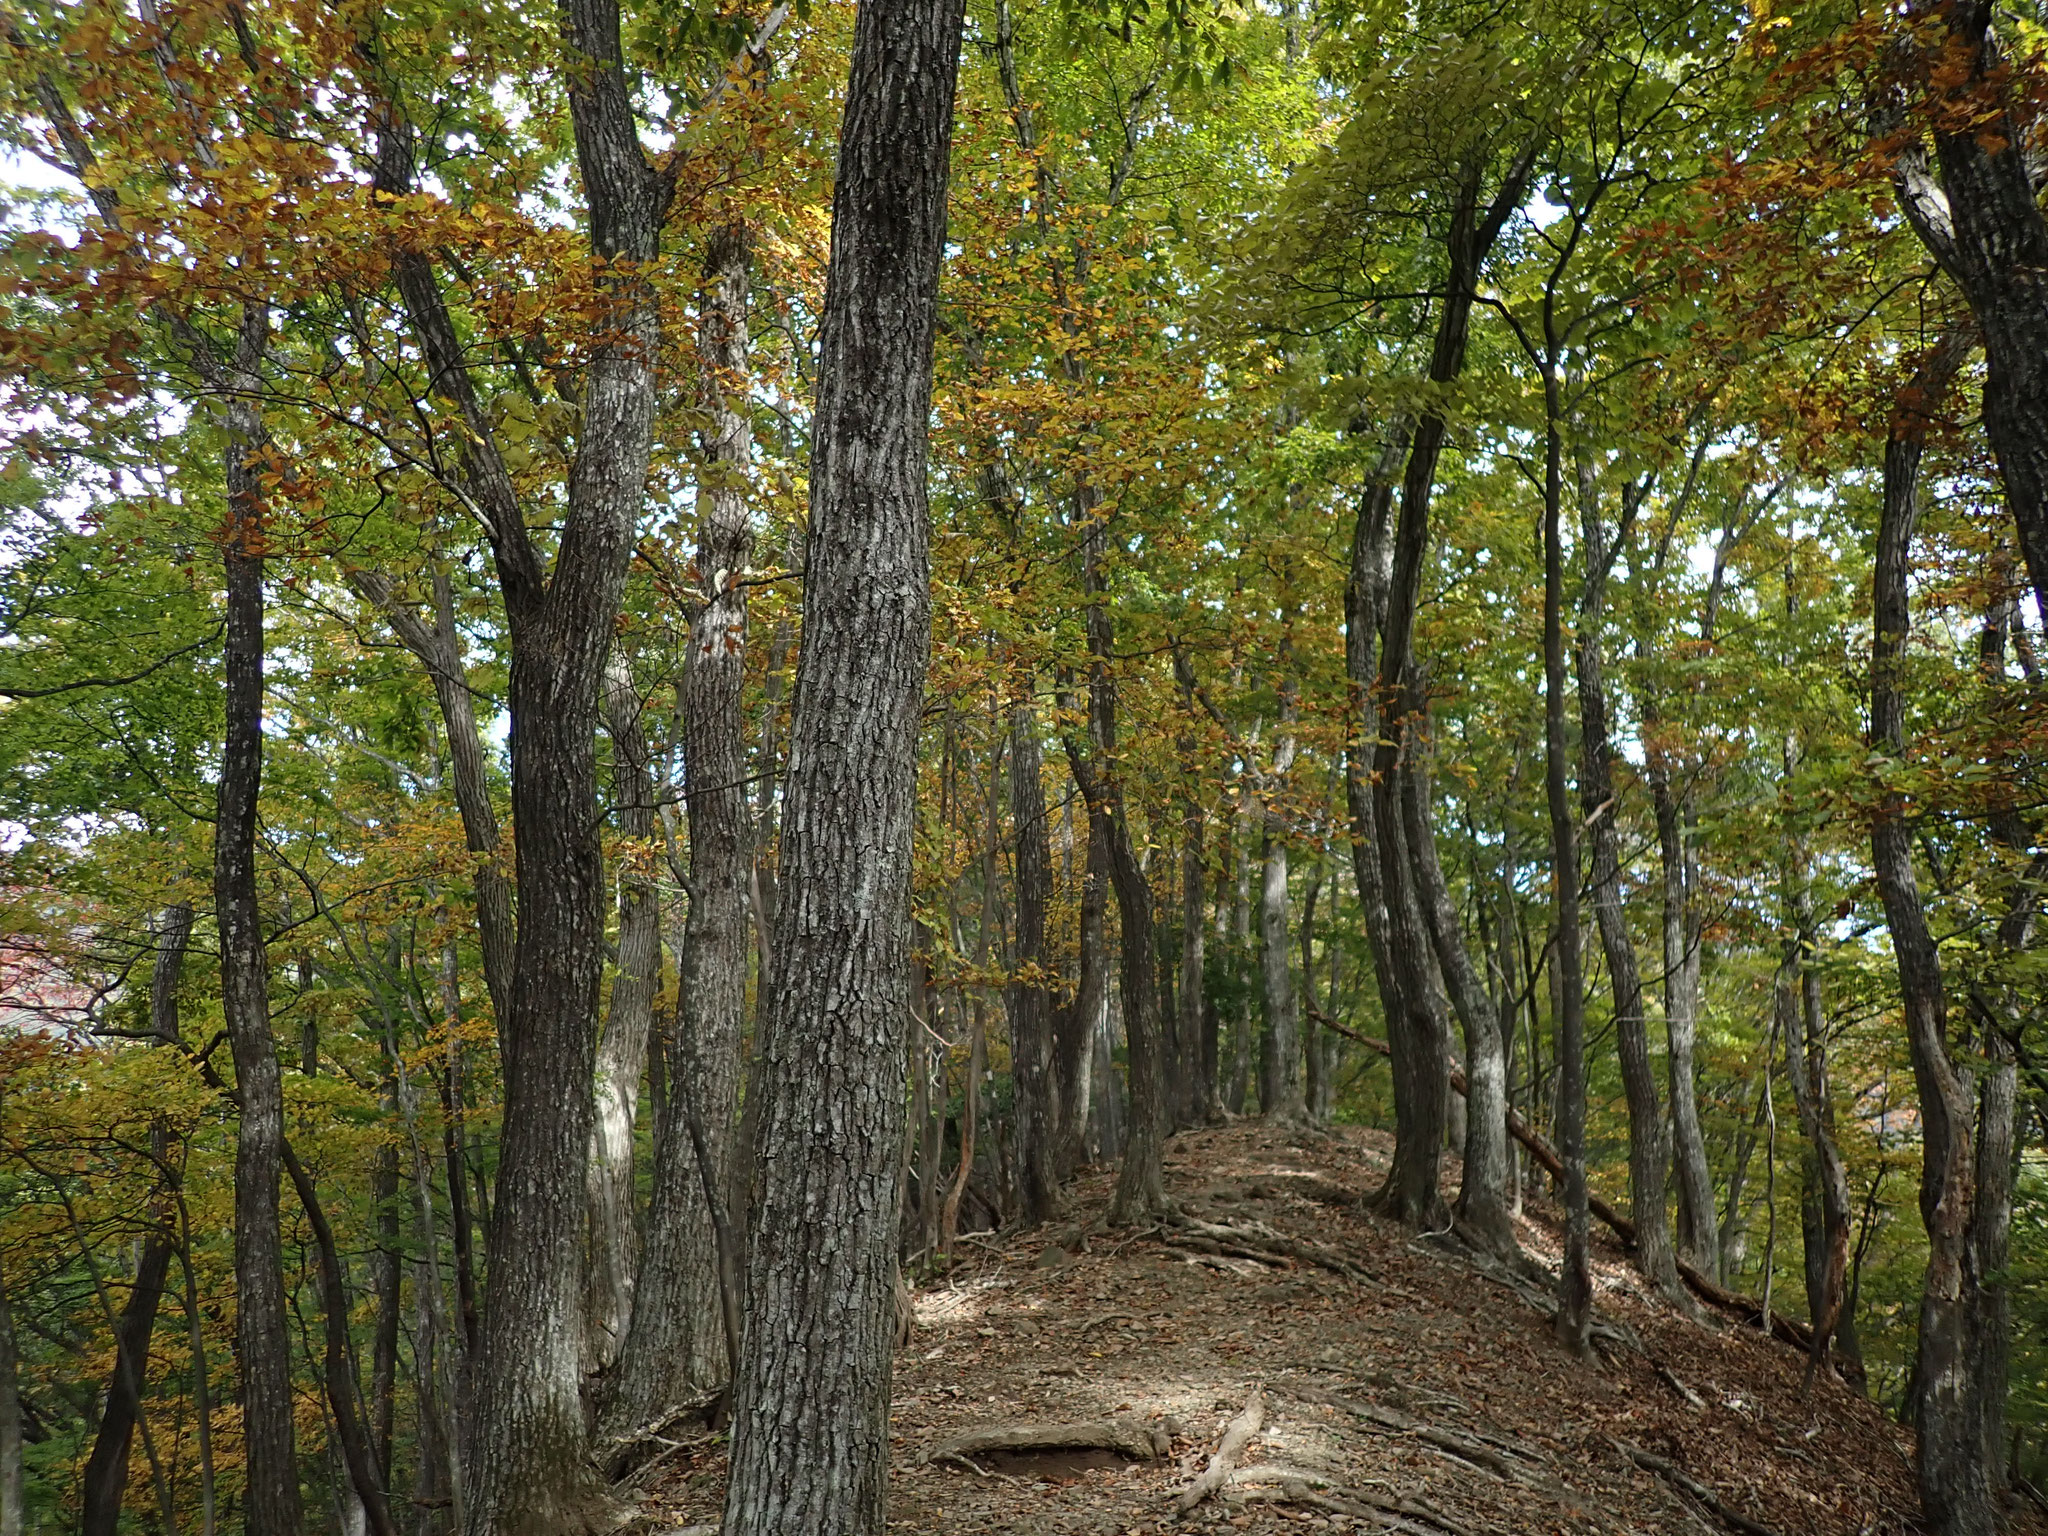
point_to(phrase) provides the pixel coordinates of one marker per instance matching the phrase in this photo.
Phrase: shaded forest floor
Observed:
(1401, 1388)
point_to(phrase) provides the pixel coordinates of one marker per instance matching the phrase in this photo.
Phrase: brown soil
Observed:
(1057, 1327)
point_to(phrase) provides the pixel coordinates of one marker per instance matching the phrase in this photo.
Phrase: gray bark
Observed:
(1280, 1091)
(622, 1051)
(809, 1449)
(1966, 1127)
(1648, 1152)
(1029, 998)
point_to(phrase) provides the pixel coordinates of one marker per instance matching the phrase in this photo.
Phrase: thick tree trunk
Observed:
(1982, 220)
(263, 1347)
(1029, 998)
(809, 1450)
(1648, 1152)
(1966, 1129)
(622, 1052)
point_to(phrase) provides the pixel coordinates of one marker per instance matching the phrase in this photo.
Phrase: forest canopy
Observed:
(657, 661)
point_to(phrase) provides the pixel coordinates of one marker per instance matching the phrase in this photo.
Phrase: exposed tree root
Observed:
(1304, 1490)
(1256, 1240)
(1694, 1489)
(1125, 1436)
(1236, 1436)
(632, 1458)
(1504, 1458)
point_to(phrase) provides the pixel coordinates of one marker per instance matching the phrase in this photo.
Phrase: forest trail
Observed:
(1413, 1393)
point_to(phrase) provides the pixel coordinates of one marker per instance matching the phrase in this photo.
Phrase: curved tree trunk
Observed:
(1959, 1380)
(1482, 1208)
(810, 1445)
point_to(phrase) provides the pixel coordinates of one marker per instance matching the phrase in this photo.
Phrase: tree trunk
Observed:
(1958, 1378)
(810, 1445)
(1482, 1209)
(1827, 1180)
(1982, 221)
(1698, 1235)
(1416, 1025)
(677, 1344)
(622, 1053)
(1280, 1090)
(1574, 1279)
(105, 1480)
(1648, 1152)
(1199, 1104)
(263, 1347)
(439, 649)
(343, 1397)
(1029, 998)
(1081, 1022)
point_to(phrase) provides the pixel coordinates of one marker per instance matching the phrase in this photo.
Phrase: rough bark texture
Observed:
(1029, 999)
(528, 1470)
(677, 1346)
(628, 1030)
(1977, 211)
(1648, 1151)
(263, 1348)
(1959, 1379)
(809, 1450)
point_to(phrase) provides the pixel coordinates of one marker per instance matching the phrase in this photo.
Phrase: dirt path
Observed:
(1410, 1392)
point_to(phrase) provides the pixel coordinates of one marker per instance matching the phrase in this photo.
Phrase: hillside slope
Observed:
(1390, 1384)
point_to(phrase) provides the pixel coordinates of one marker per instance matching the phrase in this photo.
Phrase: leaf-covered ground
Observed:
(1398, 1386)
